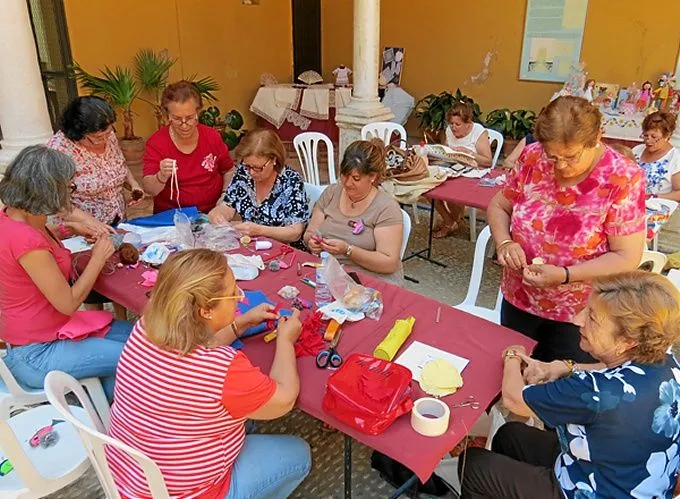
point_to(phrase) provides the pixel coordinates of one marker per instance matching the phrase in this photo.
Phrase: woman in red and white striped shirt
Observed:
(183, 394)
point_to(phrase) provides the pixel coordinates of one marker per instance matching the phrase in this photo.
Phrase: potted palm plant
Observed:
(431, 110)
(513, 125)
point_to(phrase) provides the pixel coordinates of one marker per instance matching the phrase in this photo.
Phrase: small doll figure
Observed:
(674, 106)
(588, 90)
(661, 93)
(645, 96)
(342, 76)
(633, 93)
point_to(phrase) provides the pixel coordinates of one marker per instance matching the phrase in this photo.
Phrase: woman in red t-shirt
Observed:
(183, 393)
(185, 163)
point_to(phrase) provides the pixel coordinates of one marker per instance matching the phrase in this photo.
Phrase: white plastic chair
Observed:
(307, 148)
(94, 437)
(407, 232)
(14, 396)
(313, 194)
(383, 130)
(672, 206)
(494, 136)
(40, 471)
(469, 304)
(657, 258)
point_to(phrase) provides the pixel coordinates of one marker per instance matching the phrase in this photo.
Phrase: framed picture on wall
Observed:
(392, 65)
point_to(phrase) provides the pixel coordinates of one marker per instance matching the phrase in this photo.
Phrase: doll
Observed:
(341, 74)
(661, 92)
(644, 97)
(588, 90)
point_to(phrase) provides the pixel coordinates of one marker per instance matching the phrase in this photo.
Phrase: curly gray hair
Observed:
(38, 181)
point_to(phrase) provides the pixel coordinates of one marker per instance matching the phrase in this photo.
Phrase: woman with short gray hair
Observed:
(39, 316)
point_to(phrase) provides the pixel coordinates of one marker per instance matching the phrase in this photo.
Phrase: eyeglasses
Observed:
(240, 297)
(257, 168)
(570, 160)
(650, 138)
(99, 138)
(188, 120)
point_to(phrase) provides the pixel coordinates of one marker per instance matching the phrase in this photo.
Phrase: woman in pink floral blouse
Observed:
(572, 210)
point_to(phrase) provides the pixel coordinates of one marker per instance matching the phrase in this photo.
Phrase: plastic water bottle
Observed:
(322, 295)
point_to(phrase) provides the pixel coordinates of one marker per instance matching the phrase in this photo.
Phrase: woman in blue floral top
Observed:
(617, 422)
(267, 195)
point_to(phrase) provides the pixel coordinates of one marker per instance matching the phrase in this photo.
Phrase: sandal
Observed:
(445, 231)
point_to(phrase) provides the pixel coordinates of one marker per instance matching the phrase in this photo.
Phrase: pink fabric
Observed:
(476, 339)
(466, 191)
(568, 225)
(25, 314)
(85, 324)
(99, 178)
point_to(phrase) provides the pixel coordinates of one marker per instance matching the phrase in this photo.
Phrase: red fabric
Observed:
(246, 389)
(466, 191)
(199, 174)
(288, 131)
(310, 341)
(476, 339)
(26, 316)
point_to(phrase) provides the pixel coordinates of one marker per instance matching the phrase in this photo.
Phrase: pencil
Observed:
(439, 313)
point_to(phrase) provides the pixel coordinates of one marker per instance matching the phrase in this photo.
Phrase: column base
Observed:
(10, 148)
(351, 120)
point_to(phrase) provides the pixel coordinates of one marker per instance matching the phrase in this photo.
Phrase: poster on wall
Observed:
(393, 63)
(553, 34)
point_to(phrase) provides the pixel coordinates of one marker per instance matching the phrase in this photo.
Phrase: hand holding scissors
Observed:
(330, 358)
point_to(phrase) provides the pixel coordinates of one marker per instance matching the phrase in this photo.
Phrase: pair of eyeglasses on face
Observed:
(99, 138)
(240, 296)
(187, 120)
(650, 138)
(570, 160)
(257, 168)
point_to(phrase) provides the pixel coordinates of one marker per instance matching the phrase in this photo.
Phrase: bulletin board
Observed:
(553, 35)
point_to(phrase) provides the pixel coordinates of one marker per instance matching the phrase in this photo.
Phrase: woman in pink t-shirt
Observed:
(572, 210)
(39, 317)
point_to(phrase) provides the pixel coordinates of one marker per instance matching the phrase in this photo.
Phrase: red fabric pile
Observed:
(310, 341)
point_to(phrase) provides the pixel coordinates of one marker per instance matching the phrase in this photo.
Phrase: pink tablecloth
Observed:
(466, 191)
(480, 341)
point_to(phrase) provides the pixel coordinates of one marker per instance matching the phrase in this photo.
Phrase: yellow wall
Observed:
(446, 41)
(224, 39)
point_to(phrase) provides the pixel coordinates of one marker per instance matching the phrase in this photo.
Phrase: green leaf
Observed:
(205, 86)
(152, 69)
(115, 85)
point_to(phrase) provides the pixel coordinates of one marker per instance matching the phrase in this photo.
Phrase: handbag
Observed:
(368, 394)
(405, 164)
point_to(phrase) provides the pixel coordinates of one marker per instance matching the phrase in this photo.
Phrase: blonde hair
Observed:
(262, 142)
(461, 109)
(645, 309)
(569, 120)
(186, 282)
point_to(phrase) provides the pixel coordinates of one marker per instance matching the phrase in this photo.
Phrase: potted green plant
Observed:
(513, 125)
(230, 126)
(431, 110)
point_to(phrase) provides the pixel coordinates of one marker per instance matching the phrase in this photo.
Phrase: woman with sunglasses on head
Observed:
(183, 394)
(267, 195)
(185, 163)
(572, 210)
(86, 135)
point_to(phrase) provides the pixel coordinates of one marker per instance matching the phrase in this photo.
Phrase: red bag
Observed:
(368, 393)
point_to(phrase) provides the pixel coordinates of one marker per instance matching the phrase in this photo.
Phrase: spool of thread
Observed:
(389, 347)
(430, 417)
(263, 245)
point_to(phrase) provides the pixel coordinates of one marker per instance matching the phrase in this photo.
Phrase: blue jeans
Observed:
(269, 467)
(81, 359)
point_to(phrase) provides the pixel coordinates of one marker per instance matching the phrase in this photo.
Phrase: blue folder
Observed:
(165, 218)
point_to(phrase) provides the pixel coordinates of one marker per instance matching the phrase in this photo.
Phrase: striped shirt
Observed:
(171, 408)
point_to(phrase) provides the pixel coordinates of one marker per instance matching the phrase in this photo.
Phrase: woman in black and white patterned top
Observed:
(267, 195)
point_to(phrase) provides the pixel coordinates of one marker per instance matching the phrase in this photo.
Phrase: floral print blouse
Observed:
(618, 429)
(99, 178)
(659, 173)
(568, 225)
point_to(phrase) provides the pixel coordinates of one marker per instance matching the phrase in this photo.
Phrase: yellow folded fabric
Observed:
(389, 347)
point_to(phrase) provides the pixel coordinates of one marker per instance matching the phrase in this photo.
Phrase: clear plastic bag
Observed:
(353, 296)
(220, 238)
(185, 237)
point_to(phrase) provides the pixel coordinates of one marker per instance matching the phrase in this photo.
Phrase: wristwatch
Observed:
(348, 252)
(571, 365)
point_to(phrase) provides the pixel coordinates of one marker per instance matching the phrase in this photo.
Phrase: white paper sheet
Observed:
(76, 244)
(418, 354)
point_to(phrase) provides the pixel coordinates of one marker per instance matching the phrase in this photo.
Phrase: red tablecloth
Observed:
(466, 191)
(478, 340)
(289, 131)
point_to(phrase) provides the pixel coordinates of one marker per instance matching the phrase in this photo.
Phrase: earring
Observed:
(210, 317)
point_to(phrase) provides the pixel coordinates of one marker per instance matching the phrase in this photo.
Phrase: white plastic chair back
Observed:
(407, 232)
(94, 437)
(14, 396)
(307, 148)
(313, 194)
(495, 136)
(674, 277)
(657, 259)
(384, 130)
(672, 206)
(469, 304)
(40, 471)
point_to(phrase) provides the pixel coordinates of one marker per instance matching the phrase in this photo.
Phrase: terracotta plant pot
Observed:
(133, 150)
(508, 146)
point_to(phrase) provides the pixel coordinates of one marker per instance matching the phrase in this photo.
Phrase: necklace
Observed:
(178, 143)
(354, 203)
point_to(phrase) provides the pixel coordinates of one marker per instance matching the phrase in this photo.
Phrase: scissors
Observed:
(469, 401)
(330, 358)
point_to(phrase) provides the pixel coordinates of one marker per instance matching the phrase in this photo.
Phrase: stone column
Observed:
(675, 138)
(24, 117)
(365, 106)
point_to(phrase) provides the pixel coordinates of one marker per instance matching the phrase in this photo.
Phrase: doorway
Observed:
(48, 20)
(306, 36)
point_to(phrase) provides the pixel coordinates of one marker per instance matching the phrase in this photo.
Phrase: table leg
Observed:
(348, 467)
(407, 485)
(427, 250)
